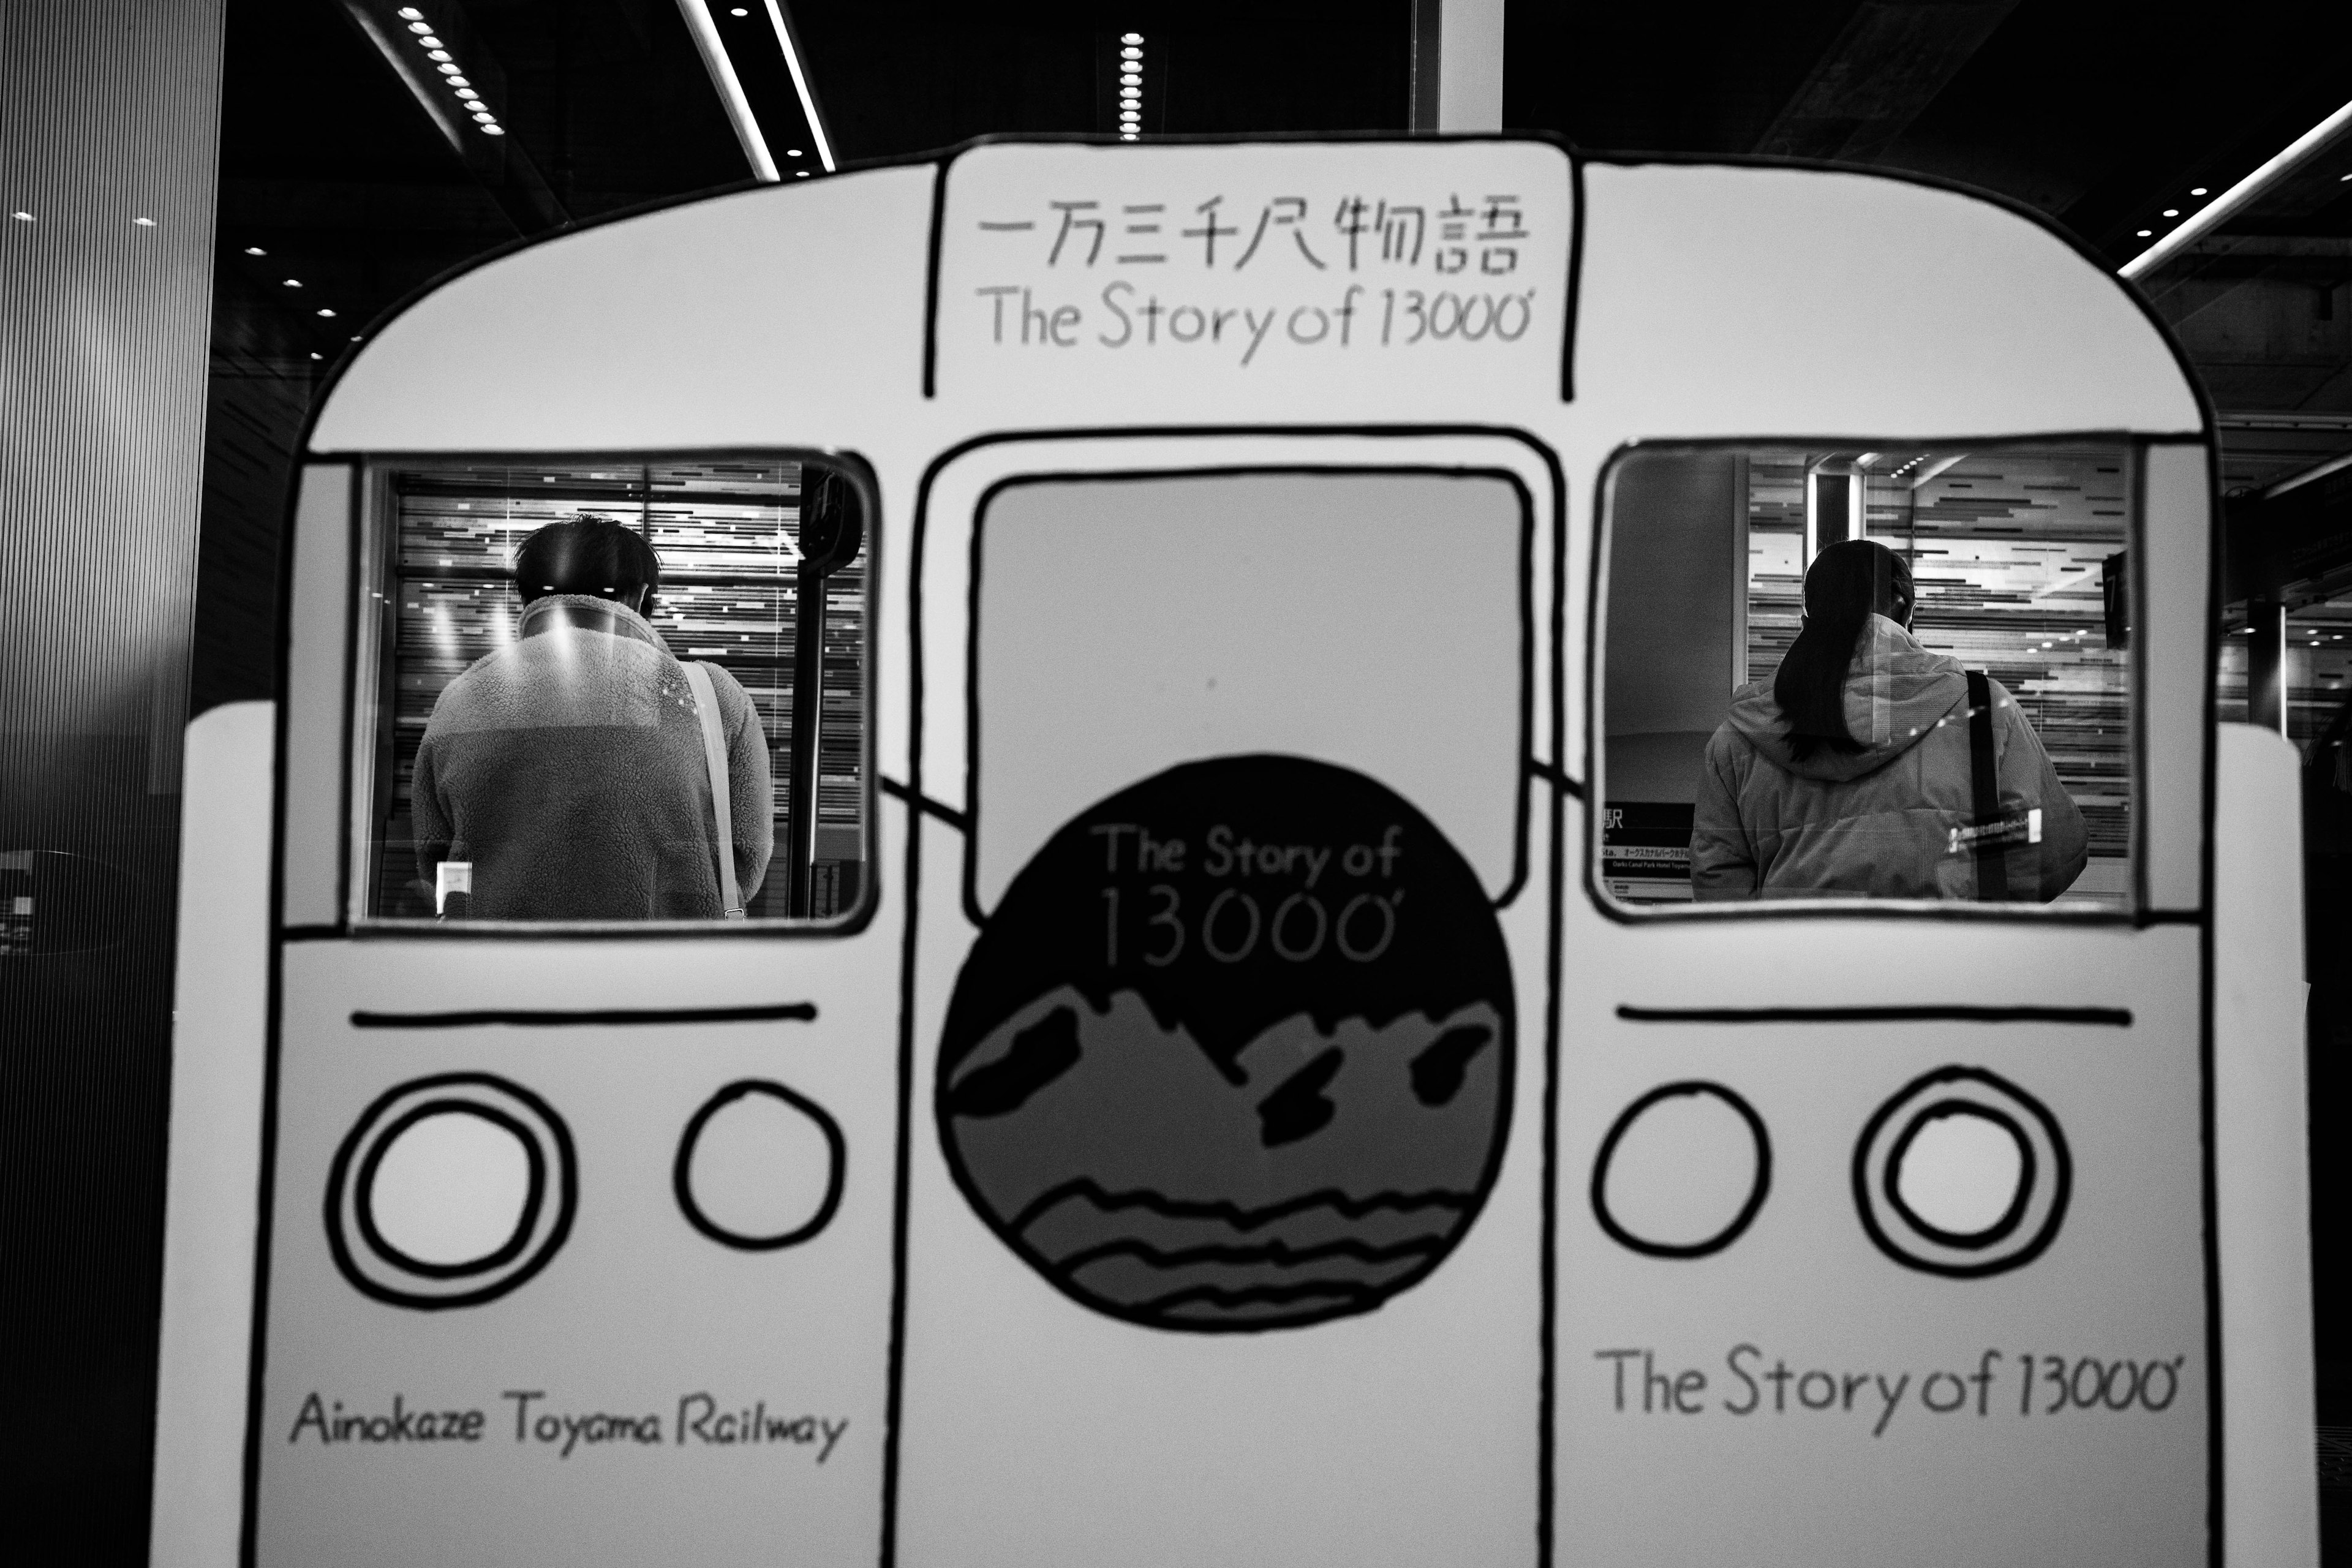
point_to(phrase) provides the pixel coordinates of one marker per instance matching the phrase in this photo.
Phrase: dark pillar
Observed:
(2266, 664)
(109, 118)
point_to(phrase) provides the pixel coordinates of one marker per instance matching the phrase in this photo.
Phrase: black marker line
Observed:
(802, 1012)
(1253, 1295)
(932, 298)
(1278, 1253)
(1575, 285)
(928, 806)
(1551, 775)
(2117, 1017)
(1232, 1213)
(909, 944)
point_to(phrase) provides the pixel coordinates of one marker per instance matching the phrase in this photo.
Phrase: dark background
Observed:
(2098, 113)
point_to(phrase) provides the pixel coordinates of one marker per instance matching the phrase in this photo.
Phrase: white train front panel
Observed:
(1249, 1101)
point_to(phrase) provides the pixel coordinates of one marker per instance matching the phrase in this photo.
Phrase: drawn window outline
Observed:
(2121, 896)
(657, 493)
(1400, 462)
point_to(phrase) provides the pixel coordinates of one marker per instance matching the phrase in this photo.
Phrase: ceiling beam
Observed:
(495, 159)
(1883, 71)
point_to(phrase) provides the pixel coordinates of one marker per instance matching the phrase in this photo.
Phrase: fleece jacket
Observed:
(568, 768)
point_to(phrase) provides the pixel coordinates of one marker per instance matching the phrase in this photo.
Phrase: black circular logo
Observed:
(1234, 1050)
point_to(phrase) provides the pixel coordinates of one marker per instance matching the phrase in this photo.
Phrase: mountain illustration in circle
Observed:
(1257, 1081)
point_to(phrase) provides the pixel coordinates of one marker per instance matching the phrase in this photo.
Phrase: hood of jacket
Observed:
(1896, 692)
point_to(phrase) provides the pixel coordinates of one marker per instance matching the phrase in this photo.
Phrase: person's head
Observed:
(1846, 584)
(591, 555)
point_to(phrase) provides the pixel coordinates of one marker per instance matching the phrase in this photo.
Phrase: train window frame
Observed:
(375, 526)
(2135, 907)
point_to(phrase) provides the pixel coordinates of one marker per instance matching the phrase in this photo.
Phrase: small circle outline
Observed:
(1758, 1191)
(836, 1172)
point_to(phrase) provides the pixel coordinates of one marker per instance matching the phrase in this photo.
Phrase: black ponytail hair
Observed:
(1846, 582)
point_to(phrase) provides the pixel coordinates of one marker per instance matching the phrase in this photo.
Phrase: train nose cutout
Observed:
(1962, 1173)
(759, 1167)
(451, 1192)
(1683, 1172)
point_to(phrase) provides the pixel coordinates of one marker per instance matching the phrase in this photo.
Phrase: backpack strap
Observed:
(1992, 855)
(722, 808)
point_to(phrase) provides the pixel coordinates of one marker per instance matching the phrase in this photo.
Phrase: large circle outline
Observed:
(550, 1128)
(1505, 1007)
(2019, 1203)
(836, 1174)
(1758, 1191)
(363, 1197)
(2062, 1176)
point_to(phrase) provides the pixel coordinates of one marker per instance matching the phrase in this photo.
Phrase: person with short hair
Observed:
(1847, 773)
(568, 768)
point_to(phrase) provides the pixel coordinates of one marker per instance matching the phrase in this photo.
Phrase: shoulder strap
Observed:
(1993, 855)
(722, 808)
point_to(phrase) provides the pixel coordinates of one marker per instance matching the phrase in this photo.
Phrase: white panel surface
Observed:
(218, 1039)
(1714, 301)
(791, 314)
(2260, 1123)
(1330, 646)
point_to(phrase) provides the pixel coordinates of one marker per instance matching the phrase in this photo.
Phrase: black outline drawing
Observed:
(501, 1102)
(946, 161)
(1359, 469)
(1926, 1099)
(1554, 771)
(558, 1017)
(2117, 1017)
(682, 1168)
(367, 473)
(1758, 1191)
(1347, 1300)
(2132, 448)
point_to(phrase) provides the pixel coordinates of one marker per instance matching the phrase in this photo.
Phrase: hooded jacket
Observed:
(568, 768)
(1875, 823)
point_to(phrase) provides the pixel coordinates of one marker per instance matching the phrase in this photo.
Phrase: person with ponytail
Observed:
(1852, 772)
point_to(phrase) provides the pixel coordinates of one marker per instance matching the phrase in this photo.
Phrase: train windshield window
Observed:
(586, 694)
(1856, 674)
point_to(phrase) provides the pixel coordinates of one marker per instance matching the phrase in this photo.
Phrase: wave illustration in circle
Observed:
(1258, 1130)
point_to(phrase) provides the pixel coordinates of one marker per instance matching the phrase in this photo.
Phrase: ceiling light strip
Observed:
(800, 85)
(446, 71)
(721, 71)
(2317, 471)
(1130, 86)
(2238, 196)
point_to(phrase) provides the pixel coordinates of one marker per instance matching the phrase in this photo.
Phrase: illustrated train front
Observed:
(1223, 1063)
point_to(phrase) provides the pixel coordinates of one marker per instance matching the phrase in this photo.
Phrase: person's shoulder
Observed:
(479, 683)
(2006, 712)
(733, 700)
(1729, 741)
